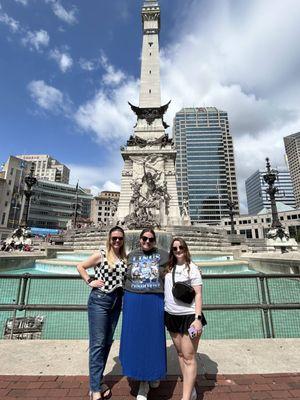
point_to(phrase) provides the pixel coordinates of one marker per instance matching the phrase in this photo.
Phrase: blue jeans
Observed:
(103, 314)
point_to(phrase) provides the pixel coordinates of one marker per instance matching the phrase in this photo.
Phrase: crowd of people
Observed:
(156, 289)
(20, 240)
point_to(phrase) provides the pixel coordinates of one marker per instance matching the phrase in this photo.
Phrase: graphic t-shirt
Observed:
(145, 271)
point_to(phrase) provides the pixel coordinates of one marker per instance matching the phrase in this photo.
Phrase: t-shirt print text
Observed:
(145, 272)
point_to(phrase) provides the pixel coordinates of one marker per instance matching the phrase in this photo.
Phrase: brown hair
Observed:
(172, 257)
(148, 230)
(110, 255)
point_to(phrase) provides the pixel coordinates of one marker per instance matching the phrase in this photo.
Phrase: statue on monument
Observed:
(150, 198)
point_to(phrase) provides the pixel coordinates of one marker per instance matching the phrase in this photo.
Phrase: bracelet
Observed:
(91, 279)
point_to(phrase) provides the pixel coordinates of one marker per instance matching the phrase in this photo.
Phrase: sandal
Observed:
(105, 392)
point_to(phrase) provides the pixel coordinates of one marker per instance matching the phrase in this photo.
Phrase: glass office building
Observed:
(292, 149)
(257, 198)
(205, 166)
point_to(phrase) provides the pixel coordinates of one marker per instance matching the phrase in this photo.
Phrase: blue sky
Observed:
(68, 67)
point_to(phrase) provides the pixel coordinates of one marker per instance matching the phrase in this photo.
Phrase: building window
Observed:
(3, 218)
(149, 90)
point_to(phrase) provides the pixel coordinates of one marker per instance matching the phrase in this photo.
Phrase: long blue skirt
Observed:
(143, 340)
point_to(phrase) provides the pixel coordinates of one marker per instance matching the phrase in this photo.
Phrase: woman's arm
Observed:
(198, 308)
(89, 263)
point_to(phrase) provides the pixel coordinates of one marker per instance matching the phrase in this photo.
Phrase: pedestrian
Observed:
(143, 342)
(182, 316)
(104, 305)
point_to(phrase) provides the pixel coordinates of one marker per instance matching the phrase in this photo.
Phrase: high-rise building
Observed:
(292, 149)
(205, 166)
(47, 168)
(104, 207)
(53, 205)
(12, 188)
(257, 198)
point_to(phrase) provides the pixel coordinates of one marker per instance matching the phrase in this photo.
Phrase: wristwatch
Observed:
(91, 279)
(198, 317)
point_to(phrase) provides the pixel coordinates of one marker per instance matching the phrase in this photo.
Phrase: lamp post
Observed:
(76, 206)
(270, 177)
(30, 181)
(231, 207)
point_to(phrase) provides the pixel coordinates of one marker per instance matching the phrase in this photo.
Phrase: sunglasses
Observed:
(174, 248)
(147, 239)
(119, 238)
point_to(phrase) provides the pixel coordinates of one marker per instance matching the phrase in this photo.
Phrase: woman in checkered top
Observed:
(104, 305)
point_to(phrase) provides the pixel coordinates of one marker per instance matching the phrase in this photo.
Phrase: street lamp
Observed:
(270, 177)
(77, 205)
(231, 211)
(30, 181)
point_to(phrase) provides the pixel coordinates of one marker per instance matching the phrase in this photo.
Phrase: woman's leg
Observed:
(177, 337)
(189, 351)
(112, 324)
(99, 309)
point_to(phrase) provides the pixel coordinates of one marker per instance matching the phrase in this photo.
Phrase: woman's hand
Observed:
(197, 325)
(97, 283)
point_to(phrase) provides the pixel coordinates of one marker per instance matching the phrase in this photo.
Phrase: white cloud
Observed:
(97, 178)
(63, 59)
(36, 40)
(13, 24)
(33, 40)
(108, 115)
(68, 16)
(112, 76)
(87, 65)
(24, 2)
(47, 97)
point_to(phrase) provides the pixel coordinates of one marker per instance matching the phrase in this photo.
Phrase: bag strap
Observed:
(173, 274)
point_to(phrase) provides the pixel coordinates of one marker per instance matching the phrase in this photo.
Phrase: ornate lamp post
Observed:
(30, 181)
(270, 177)
(231, 211)
(77, 205)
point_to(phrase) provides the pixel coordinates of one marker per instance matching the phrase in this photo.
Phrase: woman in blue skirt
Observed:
(143, 342)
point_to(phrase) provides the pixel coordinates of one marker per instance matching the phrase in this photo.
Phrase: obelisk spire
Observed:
(150, 74)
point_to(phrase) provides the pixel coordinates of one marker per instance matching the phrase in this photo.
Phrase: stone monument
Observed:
(148, 185)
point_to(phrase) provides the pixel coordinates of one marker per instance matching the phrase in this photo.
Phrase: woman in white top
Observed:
(180, 316)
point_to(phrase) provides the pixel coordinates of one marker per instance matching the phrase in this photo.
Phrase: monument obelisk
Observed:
(148, 186)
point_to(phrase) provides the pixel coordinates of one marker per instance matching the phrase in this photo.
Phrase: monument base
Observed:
(282, 245)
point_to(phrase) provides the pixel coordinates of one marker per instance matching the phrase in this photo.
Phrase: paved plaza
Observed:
(209, 387)
(227, 370)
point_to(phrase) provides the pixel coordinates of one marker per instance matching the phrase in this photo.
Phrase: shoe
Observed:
(154, 384)
(194, 394)
(91, 396)
(143, 391)
(105, 392)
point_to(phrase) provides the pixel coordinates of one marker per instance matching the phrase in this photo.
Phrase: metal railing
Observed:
(250, 301)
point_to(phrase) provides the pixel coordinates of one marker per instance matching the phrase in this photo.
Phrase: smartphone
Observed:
(192, 332)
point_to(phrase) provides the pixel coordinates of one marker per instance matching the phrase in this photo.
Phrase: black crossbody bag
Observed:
(186, 293)
(182, 291)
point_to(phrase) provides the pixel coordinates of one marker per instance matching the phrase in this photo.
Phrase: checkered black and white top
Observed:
(113, 277)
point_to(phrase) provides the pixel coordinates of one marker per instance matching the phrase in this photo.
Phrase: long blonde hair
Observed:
(110, 254)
